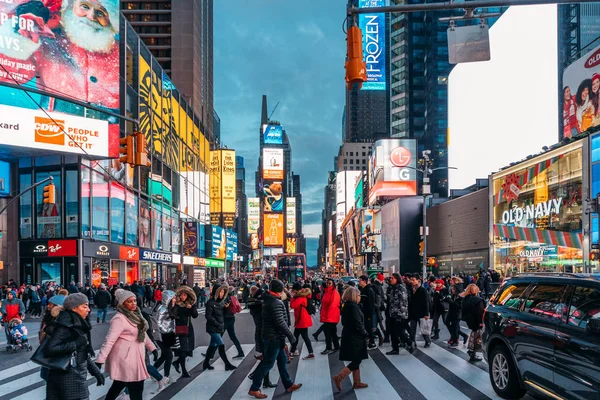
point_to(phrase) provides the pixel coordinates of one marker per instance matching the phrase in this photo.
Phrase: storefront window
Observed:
(537, 213)
(131, 222)
(166, 229)
(100, 272)
(117, 213)
(146, 271)
(50, 272)
(144, 224)
(25, 207)
(48, 215)
(100, 207)
(71, 203)
(156, 226)
(86, 192)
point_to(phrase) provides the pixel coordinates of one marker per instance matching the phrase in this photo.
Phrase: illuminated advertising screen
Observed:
(273, 196)
(254, 242)
(581, 94)
(232, 245)
(290, 212)
(253, 214)
(228, 191)
(370, 235)
(272, 163)
(392, 169)
(290, 245)
(273, 134)
(273, 230)
(64, 53)
(373, 33)
(219, 243)
(215, 187)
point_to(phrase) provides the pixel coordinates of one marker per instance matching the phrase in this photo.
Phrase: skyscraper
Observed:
(241, 220)
(180, 35)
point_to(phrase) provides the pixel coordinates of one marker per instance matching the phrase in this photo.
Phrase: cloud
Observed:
(311, 29)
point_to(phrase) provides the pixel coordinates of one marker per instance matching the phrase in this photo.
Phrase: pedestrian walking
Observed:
(123, 350)
(275, 331)
(255, 303)
(330, 316)
(12, 307)
(354, 339)
(36, 303)
(302, 319)
(232, 307)
(418, 309)
(215, 326)
(53, 309)
(473, 307)
(102, 300)
(197, 290)
(183, 309)
(440, 308)
(158, 291)
(70, 338)
(166, 327)
(369, 308)
(398, 312)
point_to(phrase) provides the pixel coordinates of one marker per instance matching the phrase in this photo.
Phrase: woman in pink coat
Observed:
(123, 349)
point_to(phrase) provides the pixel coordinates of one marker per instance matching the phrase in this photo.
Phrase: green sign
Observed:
(211, 262)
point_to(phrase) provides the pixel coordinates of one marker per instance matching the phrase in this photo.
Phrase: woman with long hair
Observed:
(585, 108)
(330, 316)
(354, 339)
(182, 309)
(302, 319)
(123, 350)
(473, 307)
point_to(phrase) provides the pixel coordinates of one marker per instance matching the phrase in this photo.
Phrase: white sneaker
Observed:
(123, 396)
(162, 383)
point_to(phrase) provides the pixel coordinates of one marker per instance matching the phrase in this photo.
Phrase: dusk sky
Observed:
(294, 53)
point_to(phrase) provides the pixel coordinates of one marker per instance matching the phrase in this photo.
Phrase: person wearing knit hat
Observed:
(276, 286)
(57, 300)
(121, 295)
(75, 300)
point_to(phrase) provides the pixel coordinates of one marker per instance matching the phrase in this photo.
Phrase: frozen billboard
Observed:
(581, 94)
(68, 48)
(373, 32)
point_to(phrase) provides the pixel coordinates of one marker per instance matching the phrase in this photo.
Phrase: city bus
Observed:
(291, 267)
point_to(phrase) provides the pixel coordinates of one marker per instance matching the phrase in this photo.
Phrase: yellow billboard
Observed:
(228, 181)
(222, 187)
(290, 245)
(215, 187)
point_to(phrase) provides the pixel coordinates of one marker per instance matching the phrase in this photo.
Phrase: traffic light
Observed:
(126, 150)
(421, 248)
(49, 194)
(141, 153)
(356, 68)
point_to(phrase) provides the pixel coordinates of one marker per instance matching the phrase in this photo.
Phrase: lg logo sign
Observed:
(400, 156)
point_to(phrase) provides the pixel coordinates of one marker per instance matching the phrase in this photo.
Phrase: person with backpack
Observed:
(232, 307)
(302, 318)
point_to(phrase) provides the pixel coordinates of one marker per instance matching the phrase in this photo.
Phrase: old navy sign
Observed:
(539, 210)
(148, 255)
(373, 31)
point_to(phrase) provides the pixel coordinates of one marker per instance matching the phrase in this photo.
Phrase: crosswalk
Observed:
(430, 373)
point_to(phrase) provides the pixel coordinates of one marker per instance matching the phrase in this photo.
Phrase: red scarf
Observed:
(278, 295)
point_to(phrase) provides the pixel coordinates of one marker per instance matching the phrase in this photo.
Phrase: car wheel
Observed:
(504, 375)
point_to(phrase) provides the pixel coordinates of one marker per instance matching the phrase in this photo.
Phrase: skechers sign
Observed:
(373, 30)
(273, 134)
(147, 255)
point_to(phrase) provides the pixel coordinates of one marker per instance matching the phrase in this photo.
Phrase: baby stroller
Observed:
(17, 336)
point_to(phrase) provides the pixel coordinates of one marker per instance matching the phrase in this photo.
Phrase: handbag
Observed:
(426, 326)
(183, 330)
(63, 362)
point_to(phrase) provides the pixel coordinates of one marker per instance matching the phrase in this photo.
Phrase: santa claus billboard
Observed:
(67, 48)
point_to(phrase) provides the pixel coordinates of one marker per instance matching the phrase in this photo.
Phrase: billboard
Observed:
(273, 230)
(370, 235)
(215, 187)
(272, 134)
(272, 163)
(33, 129)
(66, 53)
(290, 212)
(581, 94)
(254, 242)
(219, 243)
(392, 169)
(228, 190)
(232, 245)
(273, 195)
(345, 182)
(290, 245)
(253, 214)
(373, 33)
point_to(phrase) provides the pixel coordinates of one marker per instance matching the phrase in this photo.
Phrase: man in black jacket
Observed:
(418, 308)
(367, 302)
(275, 330)
(102, 300)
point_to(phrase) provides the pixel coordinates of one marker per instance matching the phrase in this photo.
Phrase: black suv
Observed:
(542, 333)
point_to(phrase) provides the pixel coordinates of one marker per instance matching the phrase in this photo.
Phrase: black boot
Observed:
(228, 366)
(209, 353)
(177, 365)
(267, 382)
(184, 372)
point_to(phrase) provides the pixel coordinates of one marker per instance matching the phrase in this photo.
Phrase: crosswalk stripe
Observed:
(379, 386)
(314, 375)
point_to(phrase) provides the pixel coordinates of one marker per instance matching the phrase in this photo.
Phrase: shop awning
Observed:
(564, 239)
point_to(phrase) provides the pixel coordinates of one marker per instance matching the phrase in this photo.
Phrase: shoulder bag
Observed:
(62, 363)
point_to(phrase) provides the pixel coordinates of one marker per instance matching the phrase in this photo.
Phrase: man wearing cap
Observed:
(275, 331)
(102, 300)
(12, 307)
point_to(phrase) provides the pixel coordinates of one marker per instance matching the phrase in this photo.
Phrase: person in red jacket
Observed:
(11, 308)
(303, 320)
(330, 316)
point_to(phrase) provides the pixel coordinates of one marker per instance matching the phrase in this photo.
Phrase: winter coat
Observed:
(275, 326)
(158, 295)
(72, 289)
(227, 314)
(330, 306)
(164, 320)
(102, 299)
(354, 335)
(197, 289)
(438, 303)
(69, 384)
(418, 304)
(183, 316)
(454, 307)
(255, 302)
(148, 293)
(302, 318)
(367, 301)
(398, 301)
(12, 309)
(47, 326)
(215, 308)
(122, 353)
(472, 311)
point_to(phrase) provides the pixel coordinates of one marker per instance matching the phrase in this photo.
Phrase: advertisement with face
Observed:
(581, 94)
(273, 227)
(373, 32)
(370, 238)
(273, 195)
(273, 134)
(392, 169)
(254, 242)
(219, 243)
(272, 163)
(68, 47)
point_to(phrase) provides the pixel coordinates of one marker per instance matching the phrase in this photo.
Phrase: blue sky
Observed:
(292, 51)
